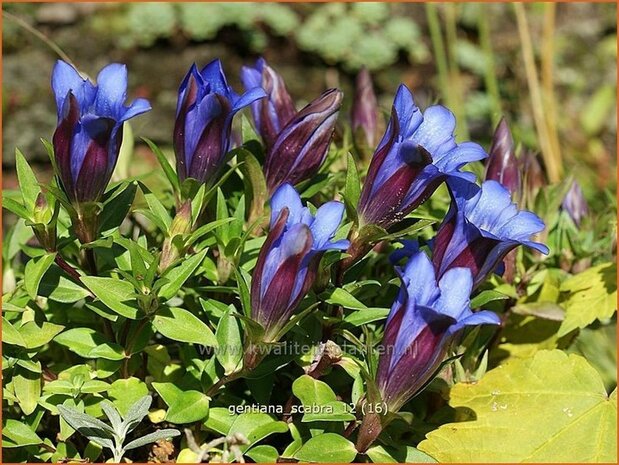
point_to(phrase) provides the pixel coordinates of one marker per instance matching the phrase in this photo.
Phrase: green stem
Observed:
(439, 50)
(455, 78)
(492, 85)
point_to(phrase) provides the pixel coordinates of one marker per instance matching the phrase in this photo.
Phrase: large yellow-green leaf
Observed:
(549, 408)
(593, 296)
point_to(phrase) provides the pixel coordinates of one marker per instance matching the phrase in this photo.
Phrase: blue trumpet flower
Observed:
(422, 323)
(417, 153)
(90, 126)
(481, 227)
(272, 113)
(204, 112)
(288, 261)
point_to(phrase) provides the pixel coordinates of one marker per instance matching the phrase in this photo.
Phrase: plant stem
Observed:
(456, 87)
(547, 68)
(67, 268)
(50, 43)
(551, 158)
(492, 85)
(130, 344)
(439, 50)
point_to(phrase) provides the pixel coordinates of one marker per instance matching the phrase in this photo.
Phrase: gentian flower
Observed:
(204, 112)
(364, 111)
(502, 164)
(302, 145)
(417, 153)
(90, 127)
(426, 317)
(273, 112)
(288, 261)
(575, 203)
(480, 228)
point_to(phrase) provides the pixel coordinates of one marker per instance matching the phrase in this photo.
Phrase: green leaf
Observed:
(14, 206)
(229, 341)
(165, 165)
(124, 393)
(331, 411)
(312, 391)
(158, 213)
(152, 437)
(401, 454)
(188, 407)
(256, 426)
(352, 188)
(10, 335)
(178, 275)
(17, 434)
(220, 420)
(365, 316)
(263, 453)
(325, 448)
(36, 335)
(592, 296)
(35, 269)
(115, 208)
(58, 288)
(28, 183)
(485, 297)
(116, 294)
(180, 325)
(549, 408)
(255, 183)
(339, 296)
(27, 386)
(88, 343)
(243, 287)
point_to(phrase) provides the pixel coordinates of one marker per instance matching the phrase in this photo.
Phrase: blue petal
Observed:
(435, 133)
(286, 196)
(480, 318)
(459, 156)
(248, 97)
(409, 116)
(111, 91)
(65, 78)
(193, 71)
(420, 280)
(342, 244)
(456, 285)
(251, 77)
(328, 218)
(213, 73)
(138, 107)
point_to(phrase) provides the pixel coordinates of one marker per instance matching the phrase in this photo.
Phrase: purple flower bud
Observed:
(206, 106)
(426, 315)
(272, 113)
(417, 153)
(302, 145)
(89, 131)
(364, 111)
(480, 228)
(502, 164)
(288, 260)
(575, 203)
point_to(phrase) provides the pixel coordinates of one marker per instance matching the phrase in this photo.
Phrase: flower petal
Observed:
(111, 91)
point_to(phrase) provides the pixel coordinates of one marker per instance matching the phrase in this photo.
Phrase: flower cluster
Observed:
(417, 154)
